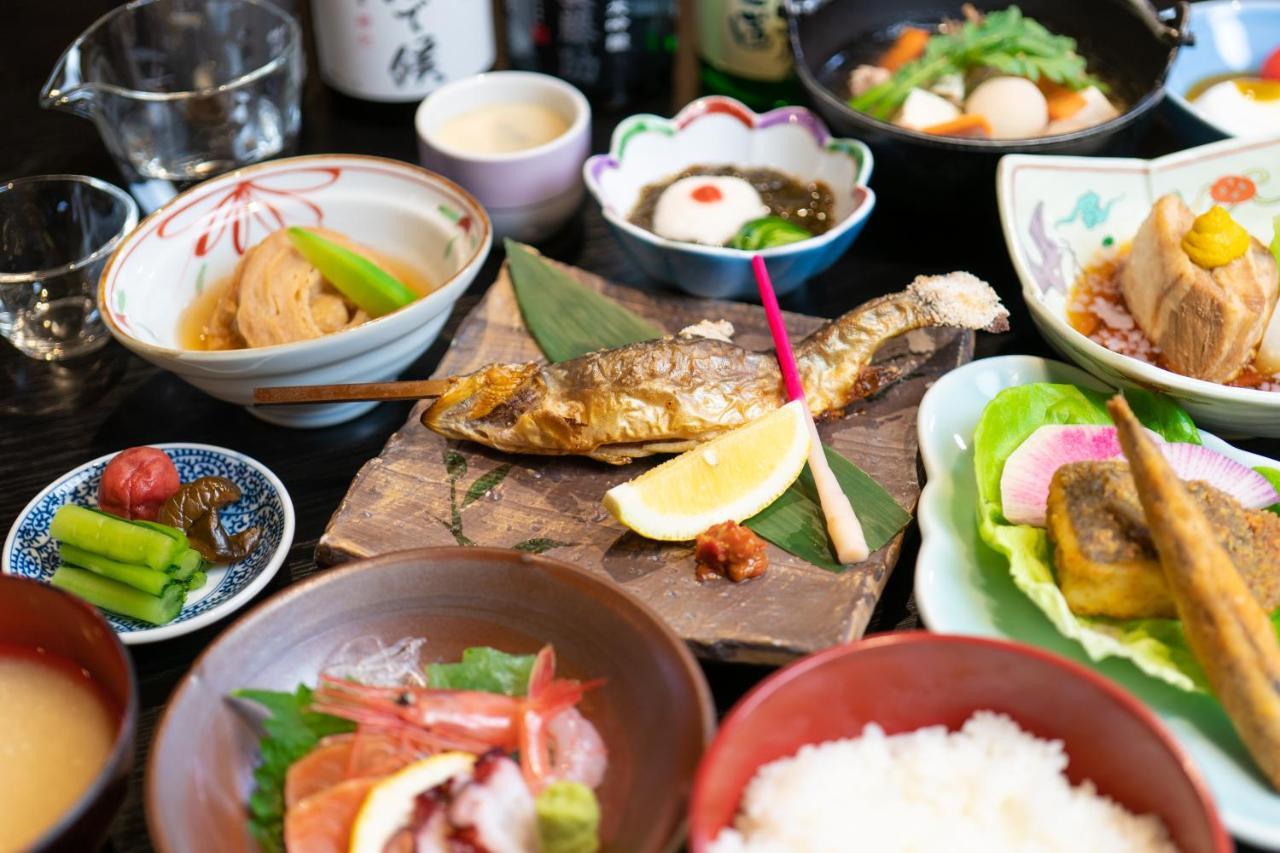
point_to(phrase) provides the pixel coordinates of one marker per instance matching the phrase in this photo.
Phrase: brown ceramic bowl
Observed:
(34, 614)
(654, 711)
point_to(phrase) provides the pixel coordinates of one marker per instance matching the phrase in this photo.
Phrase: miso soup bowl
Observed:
(196, 240)
(36, 615)
(714, 131)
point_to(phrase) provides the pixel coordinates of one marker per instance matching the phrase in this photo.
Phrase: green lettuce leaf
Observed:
(485, 669)
(1273, 477)
(1161, 414)
(291, 731)
(1155, 646)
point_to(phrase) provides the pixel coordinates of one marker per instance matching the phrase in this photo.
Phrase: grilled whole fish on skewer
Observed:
(668, 395)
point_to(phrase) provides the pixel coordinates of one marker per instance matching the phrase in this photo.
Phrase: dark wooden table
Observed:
(55, 417)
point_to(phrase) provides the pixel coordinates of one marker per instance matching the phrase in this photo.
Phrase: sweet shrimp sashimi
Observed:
(436, 720)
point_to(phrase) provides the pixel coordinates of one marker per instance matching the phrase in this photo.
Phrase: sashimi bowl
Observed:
(1060, 214)
(652, 710)
(718, 131)
(161, 271)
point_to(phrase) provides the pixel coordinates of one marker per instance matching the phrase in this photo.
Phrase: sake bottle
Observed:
(744, 51)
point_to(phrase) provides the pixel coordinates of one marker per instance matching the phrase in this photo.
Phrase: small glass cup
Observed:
(56, 233)
(182, 90)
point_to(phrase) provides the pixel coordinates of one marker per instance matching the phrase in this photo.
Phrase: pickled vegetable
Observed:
(112, 537)
(148, 580)
(119, 598)
(194, 509)
(137, 482)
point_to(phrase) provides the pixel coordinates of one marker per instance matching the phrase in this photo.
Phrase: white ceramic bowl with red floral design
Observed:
(1058, 213)
(398, 208)
(715, 130)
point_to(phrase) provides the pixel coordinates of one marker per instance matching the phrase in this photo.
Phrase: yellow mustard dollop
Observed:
(1215, 239)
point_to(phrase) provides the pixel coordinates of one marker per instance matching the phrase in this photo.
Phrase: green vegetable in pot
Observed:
(119, 598)
(767, 232)
(356, 277)
(568, 818)
(1005, 40)
(100, 533)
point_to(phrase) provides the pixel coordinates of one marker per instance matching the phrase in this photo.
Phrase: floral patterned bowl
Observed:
(1059, 212)
(717, 130)
(411, 214)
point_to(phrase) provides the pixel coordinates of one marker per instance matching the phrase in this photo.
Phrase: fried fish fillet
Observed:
(668, 395)
(1104, 555)
(1228, 631)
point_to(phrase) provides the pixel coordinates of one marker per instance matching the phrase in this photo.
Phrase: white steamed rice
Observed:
(988, 787)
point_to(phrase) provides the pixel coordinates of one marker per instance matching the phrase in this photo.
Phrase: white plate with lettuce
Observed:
(965, 586)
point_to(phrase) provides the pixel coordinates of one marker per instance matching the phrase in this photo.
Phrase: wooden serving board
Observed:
(423, 490)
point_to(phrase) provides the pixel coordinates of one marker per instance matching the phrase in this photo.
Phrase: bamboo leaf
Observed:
(566, 318)
(539, 545)
(486, 483)
(795, 523)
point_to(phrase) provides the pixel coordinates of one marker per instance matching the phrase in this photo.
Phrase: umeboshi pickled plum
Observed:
(137, 482)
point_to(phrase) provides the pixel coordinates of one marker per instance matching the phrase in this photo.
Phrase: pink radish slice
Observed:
(1194, 462)
(1024, 483)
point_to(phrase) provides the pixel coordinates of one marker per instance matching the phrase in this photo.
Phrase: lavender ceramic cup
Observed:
(528, 194)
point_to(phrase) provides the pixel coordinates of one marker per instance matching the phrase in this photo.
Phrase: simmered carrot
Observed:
(1063, 102)
(910, 45)
(970, 124)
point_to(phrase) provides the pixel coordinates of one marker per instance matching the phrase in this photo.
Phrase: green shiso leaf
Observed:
(567, 319)
(794, 522)
(290, 732)
(484, 669)
(1273, 477)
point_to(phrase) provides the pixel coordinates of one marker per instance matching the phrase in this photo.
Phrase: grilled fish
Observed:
(668, 395)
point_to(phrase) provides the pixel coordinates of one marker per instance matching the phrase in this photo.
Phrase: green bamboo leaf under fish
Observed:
(485, 484)
(794, 522)
(566, 318)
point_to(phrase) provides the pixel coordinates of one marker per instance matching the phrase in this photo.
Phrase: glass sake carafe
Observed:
(182, 90)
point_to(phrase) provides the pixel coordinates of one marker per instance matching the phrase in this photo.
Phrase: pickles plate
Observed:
(964, 587)
(264, 502)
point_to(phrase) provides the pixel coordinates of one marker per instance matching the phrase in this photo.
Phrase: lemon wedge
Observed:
(389, 805)
(728, 479)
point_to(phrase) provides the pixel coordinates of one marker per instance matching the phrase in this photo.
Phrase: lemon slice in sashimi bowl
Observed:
(728, 479)
(389, 804)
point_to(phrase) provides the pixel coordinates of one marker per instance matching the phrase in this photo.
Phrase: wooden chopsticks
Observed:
(285, 395)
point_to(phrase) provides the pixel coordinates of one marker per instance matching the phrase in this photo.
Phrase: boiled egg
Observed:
(1246, 106)
(1097, 109)
(923, 109)
(707, 209)
(1014, 107)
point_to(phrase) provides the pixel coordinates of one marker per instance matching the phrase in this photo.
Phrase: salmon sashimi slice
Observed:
(338, 758)
(322, 822)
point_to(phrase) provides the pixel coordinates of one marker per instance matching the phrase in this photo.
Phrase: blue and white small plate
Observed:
(264, 502)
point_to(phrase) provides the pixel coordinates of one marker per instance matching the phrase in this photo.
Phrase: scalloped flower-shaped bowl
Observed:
(714, 131)
(1058, 213)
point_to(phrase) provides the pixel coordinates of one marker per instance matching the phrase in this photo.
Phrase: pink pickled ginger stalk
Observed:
(842, 522)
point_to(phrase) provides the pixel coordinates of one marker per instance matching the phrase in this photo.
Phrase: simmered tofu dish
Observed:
(1195, 294)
